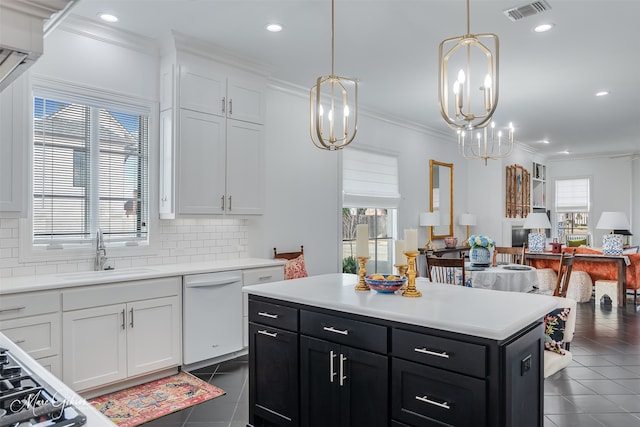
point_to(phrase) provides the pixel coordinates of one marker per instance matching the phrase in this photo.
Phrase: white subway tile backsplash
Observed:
(182, 240)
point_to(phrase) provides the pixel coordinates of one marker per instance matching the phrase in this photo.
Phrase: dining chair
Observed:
(446, 270)
(564, 274)
(512, 255)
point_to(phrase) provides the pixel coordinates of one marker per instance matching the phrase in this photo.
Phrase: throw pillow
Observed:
(554, 324)
(631, 250)
(295, 268)
(576, 243)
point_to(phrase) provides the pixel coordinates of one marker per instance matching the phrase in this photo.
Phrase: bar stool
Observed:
(580, 286)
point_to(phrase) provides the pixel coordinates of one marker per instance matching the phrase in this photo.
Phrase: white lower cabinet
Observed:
(256, 276)
(114, 332)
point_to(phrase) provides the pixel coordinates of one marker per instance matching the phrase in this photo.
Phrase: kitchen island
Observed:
(321, 353)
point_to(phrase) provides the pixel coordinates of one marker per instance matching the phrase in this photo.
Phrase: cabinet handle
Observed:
(336, 331)
(426, 399)
(122, 319)
(431, 353)
(332, 374)
(269, 315)
(222, 203)
(264, 278)
(224, 103)
(342, 376)
(19, 341)
(229, 202)
(267, 333)
(131, 324)
(230, 106)
(4, 310)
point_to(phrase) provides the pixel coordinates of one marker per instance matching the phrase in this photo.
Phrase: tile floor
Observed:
(600, 388)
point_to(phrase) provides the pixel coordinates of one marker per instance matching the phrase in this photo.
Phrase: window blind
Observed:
(572, 195)
(90, 171)
(369, 179)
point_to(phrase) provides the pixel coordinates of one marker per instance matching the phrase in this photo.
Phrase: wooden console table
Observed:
(619, 260)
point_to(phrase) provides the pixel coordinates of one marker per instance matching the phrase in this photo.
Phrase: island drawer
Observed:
(344, 331)
(453, 355)
(426, 396)
(278, 316)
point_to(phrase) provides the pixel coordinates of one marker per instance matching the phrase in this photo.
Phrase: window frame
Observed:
(571, 213)
(53, 89)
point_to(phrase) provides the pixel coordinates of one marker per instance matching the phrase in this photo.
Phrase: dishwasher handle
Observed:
(210, 280)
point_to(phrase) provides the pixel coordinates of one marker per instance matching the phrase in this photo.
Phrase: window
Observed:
(572, 206)
(90, 171)
(370, 196)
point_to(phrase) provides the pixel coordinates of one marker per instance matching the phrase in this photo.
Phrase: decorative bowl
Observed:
(451, 242)
(388, 284)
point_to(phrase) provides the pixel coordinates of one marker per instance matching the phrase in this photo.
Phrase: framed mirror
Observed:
(441, 198)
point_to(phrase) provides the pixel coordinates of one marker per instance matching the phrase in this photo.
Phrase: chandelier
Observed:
(487, 143)
(333, 107)
(469, 63)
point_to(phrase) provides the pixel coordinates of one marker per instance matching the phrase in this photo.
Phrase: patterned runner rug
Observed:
(136, 405)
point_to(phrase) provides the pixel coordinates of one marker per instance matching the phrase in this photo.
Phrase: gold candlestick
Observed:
(402, 271)
(362, 271)
(411, 290)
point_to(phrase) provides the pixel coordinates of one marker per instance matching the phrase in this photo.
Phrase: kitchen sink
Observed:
(107, 274)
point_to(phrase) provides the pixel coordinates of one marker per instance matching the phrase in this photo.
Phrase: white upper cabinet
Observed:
(212, 138)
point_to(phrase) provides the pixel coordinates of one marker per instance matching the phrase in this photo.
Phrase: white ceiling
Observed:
(547, 81)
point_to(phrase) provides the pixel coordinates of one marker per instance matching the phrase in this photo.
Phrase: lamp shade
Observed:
(536, 220)
(467, 219)
(429, 219)
(612, 221)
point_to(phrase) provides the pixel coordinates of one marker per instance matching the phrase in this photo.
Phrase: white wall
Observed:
(612, 187)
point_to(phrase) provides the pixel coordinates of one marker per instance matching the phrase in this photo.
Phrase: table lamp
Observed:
(536, 221)
(429, 219)
(467, 219)
(612, 243)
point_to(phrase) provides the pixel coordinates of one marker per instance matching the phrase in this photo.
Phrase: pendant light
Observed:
(486, 143)
(333, 106)
(468, 79)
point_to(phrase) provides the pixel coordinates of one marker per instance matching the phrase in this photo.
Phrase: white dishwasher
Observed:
(212, 315)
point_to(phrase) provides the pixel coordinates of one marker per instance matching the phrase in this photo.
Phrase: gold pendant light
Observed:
(485, 143)
(468, 79)
(334, 125)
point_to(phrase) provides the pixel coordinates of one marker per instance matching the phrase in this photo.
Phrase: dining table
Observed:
(503, 277)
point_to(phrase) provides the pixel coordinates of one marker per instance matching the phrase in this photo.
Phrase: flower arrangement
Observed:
(480, 241)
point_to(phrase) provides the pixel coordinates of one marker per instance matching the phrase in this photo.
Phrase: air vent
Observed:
(520, 12)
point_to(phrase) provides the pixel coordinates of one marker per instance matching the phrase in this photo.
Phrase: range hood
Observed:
(23, 26)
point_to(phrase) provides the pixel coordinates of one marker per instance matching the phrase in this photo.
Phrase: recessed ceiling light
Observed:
(543, 28)
(602, 93)
(274, 28)
(107, 17)
(563, 152)
(544, 141)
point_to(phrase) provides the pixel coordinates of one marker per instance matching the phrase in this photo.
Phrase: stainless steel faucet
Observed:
(101, 253)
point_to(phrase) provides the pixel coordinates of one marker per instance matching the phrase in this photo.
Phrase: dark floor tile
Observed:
(559, 405)
(565, 387)
(594, 404)
(574, 420)
(633, 384)
(628, 402)
(615, 372)
(605, 387)
(588, 360)
(580, 373)
(213, 410)
(620, 419)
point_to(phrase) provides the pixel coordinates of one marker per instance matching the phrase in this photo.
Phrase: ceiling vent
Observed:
(520, 12)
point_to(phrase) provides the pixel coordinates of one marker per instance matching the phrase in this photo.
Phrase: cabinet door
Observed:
(245, 168)
(246, 100)
(13, 146)
(166, 207)
(201, 90)
(37, 335)
(200, 163)
(273, 387)
(319, 383)
(364, 401)
(153, 335)
(94, 346)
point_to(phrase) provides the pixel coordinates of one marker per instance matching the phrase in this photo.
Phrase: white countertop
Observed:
(478, 312)
(10, 285)
(94, 417)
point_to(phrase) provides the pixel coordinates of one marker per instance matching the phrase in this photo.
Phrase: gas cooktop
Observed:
(26, 400)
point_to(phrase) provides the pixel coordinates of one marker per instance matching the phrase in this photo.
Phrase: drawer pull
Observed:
(426, 399)
(5, 310)
(262, 278)
(431, 353)
(267, 333)
(332, 355)
(19, 341)
(269, 315)
(336, 331)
